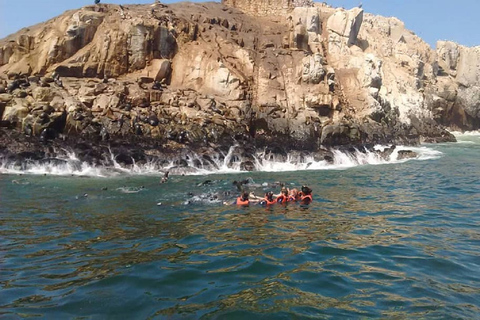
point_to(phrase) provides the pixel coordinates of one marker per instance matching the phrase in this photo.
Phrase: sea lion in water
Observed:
(204, 183)
(239, 184)
(165, 177)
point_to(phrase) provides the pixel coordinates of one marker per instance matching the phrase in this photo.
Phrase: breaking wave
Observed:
(467, 137)
(459, 134)
(194, 164)
(343, 160)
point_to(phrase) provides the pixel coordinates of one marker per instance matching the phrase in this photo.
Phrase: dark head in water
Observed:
(165, 177)
(269, 196)
(239, 184)
(306, 190)
(204, 183)
(244, 196)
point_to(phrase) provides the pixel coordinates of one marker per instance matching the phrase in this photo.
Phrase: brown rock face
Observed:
(96, 41)
(456, 99)
(273, 72)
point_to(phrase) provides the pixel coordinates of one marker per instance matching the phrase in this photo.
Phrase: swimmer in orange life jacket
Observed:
(268, 200)
(244, 199)
(306, 196)
(283, 197)
(293, 195)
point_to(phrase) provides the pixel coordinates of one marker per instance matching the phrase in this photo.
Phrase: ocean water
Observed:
(381, 240)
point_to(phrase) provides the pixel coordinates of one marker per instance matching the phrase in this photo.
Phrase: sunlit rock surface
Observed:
(283, 74)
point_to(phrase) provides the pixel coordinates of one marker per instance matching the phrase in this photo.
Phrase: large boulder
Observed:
(16, 112)
(159, 69)
(43, 94)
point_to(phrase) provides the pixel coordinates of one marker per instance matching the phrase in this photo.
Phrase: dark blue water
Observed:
(394, 241)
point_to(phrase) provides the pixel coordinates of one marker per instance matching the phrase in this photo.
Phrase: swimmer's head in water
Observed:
(269, 195)
(306, 190)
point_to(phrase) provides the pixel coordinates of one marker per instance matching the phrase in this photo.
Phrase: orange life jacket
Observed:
(293, 198)
(307, 198)
(242, 202)
(268, 202)
(281, 199)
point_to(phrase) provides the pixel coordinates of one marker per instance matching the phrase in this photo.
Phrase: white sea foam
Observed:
(467, 137)
(466, 133)
(217, 163)
(130, 189)
(61, 166)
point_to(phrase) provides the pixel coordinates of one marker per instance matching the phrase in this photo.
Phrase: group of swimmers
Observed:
(285, 196)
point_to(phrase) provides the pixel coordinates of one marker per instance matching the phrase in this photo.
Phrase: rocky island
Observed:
(158, 82)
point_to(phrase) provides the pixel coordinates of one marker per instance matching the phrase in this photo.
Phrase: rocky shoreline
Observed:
(40, 126)
(20, 151)
(160, 82)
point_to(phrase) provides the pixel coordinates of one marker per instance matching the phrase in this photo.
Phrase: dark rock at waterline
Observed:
(406, 154)
(128, 155)
(339, 134)
(323, 155)
(16, 147)
(181, 163)
(247, 166)
(33, 155)
(387, 152)
(328, 159)
(124, 158)
(208, 159)
(442, 137)
(91, 156)
(350, 134)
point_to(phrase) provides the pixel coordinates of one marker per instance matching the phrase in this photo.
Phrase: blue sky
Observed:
(430, 19)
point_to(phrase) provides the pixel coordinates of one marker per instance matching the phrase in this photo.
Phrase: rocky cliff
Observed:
(278, 73)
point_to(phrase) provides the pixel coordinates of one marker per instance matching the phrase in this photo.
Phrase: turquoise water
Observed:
(390, 241)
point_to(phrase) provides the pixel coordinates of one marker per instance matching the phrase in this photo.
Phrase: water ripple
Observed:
(376, 243)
